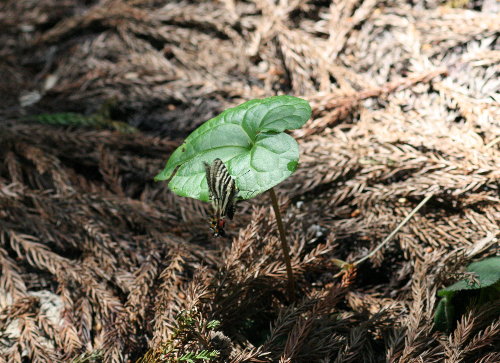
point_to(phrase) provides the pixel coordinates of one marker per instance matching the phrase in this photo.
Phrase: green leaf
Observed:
(249, 139)
(213, 324)
(75, 119)
(204, 355)
(456, 298)
(487, 273)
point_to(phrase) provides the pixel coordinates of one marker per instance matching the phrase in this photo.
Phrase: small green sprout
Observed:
(204, 355)
(250, 140)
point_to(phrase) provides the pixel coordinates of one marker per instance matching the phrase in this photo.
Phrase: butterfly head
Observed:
(217, 226)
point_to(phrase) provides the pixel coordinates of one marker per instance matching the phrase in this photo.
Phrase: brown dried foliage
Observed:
(99, 261)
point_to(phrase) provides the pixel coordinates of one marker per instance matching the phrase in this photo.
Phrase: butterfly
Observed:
(223, 192)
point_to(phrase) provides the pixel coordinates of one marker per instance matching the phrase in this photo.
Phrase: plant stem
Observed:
(284, 244)
(393, 233)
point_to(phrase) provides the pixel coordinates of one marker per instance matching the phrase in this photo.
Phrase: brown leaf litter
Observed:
(98, 262)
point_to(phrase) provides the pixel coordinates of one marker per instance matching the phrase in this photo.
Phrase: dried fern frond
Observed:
(98, 262)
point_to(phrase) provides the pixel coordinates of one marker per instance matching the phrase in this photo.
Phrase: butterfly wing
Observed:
(208, 173)
(230, 205)
(222, 189)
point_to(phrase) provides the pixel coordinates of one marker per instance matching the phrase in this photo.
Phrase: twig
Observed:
(492, 143)
(284, 244)
(393, 233)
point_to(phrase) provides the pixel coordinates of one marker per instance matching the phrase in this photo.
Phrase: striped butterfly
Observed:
(223, 192)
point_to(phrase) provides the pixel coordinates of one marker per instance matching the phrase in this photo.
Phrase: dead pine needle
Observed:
(99, 262)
